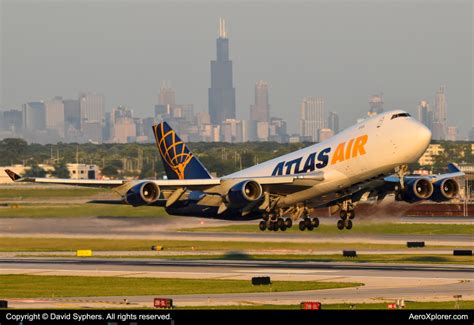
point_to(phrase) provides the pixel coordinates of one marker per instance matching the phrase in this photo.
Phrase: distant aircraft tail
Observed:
(178, 160)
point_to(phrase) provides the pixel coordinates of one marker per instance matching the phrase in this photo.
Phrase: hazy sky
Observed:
(344, 51)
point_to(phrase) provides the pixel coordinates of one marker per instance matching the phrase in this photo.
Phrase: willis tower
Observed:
(222, 91)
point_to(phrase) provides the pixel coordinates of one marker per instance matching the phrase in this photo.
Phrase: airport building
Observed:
(83, 171)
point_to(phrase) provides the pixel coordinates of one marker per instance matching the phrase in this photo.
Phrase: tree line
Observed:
(143, 160)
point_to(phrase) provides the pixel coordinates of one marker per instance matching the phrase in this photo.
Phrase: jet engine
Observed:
(142, 194)
(417, 189)
(445, 190)
(244, 193)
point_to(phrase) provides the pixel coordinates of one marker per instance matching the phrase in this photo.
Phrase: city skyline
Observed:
(260, 57)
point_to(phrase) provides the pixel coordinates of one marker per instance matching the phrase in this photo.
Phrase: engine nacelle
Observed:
(445, 190)
(244, 193)
(417, 189)
(142, 194)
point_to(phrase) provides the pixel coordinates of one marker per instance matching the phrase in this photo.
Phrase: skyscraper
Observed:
(376, 104)
(167, 95)
(333, 122)
(440, 115)
(312, 117)
(425, 115)
(54, 115)
(34, 117)
(260, 110)
(222, 91)
(72, 113)
(92, 107)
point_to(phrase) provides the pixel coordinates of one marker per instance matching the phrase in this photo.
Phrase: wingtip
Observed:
(13, 176)
(453, 168)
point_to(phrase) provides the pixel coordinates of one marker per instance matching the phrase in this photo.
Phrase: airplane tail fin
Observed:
(178, 160)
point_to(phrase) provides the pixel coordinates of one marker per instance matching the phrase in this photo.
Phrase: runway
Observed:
(156, 228)
(382, 282)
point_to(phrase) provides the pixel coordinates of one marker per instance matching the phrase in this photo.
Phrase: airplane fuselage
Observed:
(368, 149)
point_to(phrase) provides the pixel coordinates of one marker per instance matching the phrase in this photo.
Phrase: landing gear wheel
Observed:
(340, 224)
(307, 222)
(302, 225)
(348, 224)
(280, 222)
(310, 227)
(265, 216)
(343, 214)
(262, 225)
(315, 222)
(288, 223)
(283, 228)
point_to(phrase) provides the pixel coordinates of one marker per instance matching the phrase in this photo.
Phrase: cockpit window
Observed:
(400, 115)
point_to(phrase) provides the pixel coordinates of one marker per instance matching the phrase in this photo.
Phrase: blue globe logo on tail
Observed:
(178, 160)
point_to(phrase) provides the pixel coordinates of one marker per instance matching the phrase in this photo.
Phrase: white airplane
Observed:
(367, 158)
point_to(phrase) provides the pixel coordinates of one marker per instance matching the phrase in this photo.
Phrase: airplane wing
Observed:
(169, 186)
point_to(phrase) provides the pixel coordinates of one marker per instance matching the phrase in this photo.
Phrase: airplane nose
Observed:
(424, 134)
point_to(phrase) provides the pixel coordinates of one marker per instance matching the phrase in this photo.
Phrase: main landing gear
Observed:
(308, 223)
(346, 214)
(275, 223)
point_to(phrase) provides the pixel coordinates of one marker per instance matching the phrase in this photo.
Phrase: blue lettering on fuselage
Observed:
(309, 165)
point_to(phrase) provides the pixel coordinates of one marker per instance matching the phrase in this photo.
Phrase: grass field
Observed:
(33, 286)
(38, 244)
(79, 210)
(360, 227)
(411, 305)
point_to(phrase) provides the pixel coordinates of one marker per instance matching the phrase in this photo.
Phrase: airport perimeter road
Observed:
(383, 282)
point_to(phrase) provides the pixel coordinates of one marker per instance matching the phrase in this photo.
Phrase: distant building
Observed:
(184, 111)
(263, 131)
(72, 113)
(83, 171)
(123, 125)
(162, 112)
(452, 133)
(92, 107)
(12, 120)
(277, 130)
(222, 91)
(440, 115)
(34, 117)
(234, 131)
(376, 105)
(54, 115)
(312, 117)
(210, 132)
(471, 134)
(167, 95)
(333, 122)
(92, 131)
(325, 134)
(202, 118)
(260, 110)
(425, 115)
